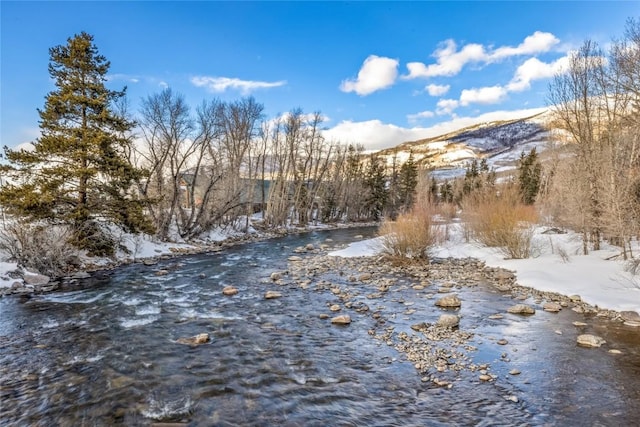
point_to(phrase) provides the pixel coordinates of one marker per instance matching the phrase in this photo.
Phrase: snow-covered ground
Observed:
(558, 266)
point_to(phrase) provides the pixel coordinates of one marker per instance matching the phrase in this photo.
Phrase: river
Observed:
(104, 352)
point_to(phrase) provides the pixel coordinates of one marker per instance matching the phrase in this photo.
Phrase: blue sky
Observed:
(381, 72)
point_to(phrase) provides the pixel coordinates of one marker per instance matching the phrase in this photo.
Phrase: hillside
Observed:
(500, 142)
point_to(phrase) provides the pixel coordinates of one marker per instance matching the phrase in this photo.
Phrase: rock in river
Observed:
(521, 309)
(229, 290)
(630, 318)
(36, 279)
(275, 276)
(272, 295)
(587, 340)
(450, 301)
(195, 340)
(448, 321)
(552, 307)
(343, 319)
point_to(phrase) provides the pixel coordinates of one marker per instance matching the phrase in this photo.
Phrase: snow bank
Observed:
(558, 267)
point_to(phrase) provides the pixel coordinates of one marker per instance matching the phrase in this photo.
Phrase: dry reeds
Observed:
(500, 220)
(412, 234)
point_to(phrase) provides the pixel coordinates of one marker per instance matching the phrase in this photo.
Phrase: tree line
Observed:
(177, 172)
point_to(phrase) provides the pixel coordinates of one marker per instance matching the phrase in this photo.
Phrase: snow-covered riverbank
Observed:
(599, 278)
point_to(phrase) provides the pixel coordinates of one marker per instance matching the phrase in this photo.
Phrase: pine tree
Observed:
(408, 181)
(376, 184)
(77, 172)
(529, 173)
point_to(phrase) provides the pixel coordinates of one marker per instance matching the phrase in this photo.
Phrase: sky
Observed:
(382, 73)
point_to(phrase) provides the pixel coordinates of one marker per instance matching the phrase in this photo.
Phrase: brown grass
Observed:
(500, 220)
(412, 234)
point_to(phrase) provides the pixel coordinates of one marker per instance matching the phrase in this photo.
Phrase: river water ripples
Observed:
(105, 353)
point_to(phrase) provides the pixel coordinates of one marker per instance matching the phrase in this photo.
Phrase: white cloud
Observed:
(125, 77)
(377, 73)
(534, 69)
(375, 135)
(537, 42)
(483, 95)
(422, 115)
(446, 106)
(450, 60)
(221, 84)
(437, 90)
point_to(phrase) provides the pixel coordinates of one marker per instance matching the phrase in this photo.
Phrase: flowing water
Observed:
(104, 353)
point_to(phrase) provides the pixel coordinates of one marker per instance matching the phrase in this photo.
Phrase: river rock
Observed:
(449, 301)
(575, 298)
(275, 276)
(81, 275)
(521, 309)
(229, 290)
(448, 321)
(630, 318)
(364, 277)
(194, 340)
(272, 295)
(552, 307)
(334, 307)
(295, 258)
(504, 275)
(309, 247)
(162, 272)
(36, 279)
(588, 340)
(343, 319)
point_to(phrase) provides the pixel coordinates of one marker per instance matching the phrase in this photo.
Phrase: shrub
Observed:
(501, 220)
(43, 248)
(411, 235)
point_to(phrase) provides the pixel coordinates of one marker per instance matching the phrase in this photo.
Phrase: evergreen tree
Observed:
(446, 192)
(78, 171)
(376, 184)
(529, 174)
(407, 182)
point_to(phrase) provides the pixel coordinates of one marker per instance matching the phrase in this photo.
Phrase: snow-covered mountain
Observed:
(500, 142)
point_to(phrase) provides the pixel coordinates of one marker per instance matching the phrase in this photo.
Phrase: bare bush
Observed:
(502, 221)
(412, 234)
(42, 248)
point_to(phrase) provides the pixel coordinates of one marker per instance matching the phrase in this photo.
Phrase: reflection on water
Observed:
(107, 355)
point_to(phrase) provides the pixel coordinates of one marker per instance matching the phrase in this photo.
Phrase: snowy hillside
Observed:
(500, 142)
